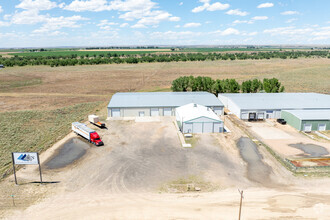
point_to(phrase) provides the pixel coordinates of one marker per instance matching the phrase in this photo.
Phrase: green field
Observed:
(80, 53)
(35, 131)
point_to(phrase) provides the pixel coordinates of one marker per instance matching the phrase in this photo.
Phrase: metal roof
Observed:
(278, 100)
(162, 99)
(193, 111)
(310, 114)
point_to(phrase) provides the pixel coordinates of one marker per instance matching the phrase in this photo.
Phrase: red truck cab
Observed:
(95, 138)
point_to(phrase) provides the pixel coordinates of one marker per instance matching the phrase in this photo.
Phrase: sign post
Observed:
(25, 158)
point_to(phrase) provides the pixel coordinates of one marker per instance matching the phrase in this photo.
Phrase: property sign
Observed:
(25, 158)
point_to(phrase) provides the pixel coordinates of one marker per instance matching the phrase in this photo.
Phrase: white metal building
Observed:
(194, 118)
(269, 105)
(141, 104)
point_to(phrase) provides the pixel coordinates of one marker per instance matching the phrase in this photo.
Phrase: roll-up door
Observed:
(260, 116)
(208, 127)
(115, 112)
(167, 111)
(307, 127)
(154, 111)
(217, 110)
(322, 127)
(197, 127)
(245, 116)
(187, 128)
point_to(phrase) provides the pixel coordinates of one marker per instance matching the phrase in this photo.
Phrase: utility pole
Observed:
(240, 204)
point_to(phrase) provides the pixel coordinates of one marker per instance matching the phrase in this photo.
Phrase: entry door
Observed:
(322, 127)
(307, 127)
(115, 112)
(141, 114)
(217, 127)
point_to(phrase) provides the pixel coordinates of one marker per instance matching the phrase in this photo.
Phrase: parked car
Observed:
(281, 121)
(2, 66)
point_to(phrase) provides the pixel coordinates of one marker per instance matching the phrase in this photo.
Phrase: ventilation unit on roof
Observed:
(195, 105)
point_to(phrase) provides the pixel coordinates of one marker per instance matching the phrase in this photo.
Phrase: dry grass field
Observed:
(43, 87)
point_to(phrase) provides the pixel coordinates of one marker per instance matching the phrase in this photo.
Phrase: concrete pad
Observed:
(271, 133)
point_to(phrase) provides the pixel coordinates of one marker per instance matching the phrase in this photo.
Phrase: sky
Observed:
(51, 23)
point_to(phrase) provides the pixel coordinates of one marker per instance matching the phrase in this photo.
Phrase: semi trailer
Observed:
(95, 120)
(86, 132)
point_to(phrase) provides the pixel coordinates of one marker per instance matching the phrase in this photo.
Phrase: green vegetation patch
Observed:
(191, 183)
(5, 85)
(35, 131)
(81, 53)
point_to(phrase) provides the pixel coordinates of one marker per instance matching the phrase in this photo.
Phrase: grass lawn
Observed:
(36, 130)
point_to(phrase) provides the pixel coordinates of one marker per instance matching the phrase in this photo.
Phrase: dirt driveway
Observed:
(124, 179)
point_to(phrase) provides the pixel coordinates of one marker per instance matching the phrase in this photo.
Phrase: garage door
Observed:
(322, 127)
(260, 116)
(217, 110)
(154, 112)
(307, 127)
(197, 127)
(187, 128)
(217, 127)
(167, 112)
(208, 127)
(115, 112)
(245, 115)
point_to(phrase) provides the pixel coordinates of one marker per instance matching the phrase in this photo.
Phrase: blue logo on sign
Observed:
(25, 157)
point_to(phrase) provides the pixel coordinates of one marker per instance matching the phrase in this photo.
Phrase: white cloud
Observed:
(181, 3)
(56, 23)
(138, 26)
(260, 18)
(87, 5)
(288, 31)
(289, 13)
(190, 25)
(230, 31)
(177, 26)
(242, 22)
(210, 7)
(265, 5)
(291, 20)
(124, 25)
(237, 12)
(106, 25)
(39, 5)
(4, 24)
(1, 10)
(28, 17)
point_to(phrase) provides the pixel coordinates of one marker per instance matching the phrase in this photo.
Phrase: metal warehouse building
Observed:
(141, 104)
(194, 118)
(307, 120)
(269, 105)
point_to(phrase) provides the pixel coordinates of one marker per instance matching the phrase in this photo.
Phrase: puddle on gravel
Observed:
(257, 171)
(70, 151)
(312, 150)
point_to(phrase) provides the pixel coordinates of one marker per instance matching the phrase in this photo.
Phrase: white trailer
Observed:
(86, 132)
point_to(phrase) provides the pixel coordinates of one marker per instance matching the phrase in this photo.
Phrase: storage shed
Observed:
(269, 105)
(194, 118)
(307, 120)
(141, 104)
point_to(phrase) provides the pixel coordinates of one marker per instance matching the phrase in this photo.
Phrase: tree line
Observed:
(109, 58)
(207, 84)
